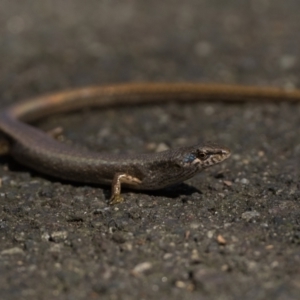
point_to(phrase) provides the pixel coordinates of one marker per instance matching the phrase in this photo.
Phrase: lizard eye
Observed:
(203, 156)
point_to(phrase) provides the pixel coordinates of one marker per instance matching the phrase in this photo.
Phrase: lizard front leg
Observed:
(120, 178)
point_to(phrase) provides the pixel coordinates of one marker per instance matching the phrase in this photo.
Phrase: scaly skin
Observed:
(38, 150)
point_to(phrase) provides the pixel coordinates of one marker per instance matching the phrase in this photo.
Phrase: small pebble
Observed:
(248, 215)
(244, 181)
(12, 251)
(141, 268)
(221, 240)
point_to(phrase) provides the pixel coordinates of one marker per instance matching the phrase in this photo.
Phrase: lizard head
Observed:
(177, 165)
(201, 157)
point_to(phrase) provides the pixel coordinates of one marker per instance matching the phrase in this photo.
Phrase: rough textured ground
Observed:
(232, 232)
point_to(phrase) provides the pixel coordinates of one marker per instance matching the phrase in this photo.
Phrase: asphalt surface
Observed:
(233, 232)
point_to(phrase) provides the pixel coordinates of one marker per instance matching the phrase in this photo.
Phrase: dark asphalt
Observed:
(233, 232)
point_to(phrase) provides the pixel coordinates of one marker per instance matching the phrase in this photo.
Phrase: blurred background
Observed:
(49, 45)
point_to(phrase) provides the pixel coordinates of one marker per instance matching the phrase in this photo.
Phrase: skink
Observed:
(38, 150)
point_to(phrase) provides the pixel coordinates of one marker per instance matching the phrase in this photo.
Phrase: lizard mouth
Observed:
(216, 156)
(225, 153)
(222, 155)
